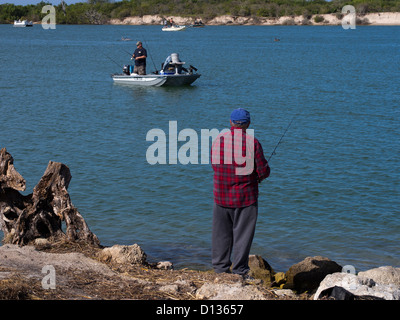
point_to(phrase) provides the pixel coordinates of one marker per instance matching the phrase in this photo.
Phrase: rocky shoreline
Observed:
(76, 271)
(373, 19)
(39, 260)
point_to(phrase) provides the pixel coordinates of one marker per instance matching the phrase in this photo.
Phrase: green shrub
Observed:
(318, 19)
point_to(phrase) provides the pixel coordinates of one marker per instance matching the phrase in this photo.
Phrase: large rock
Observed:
(125, 255)
(383, 275)
(307, 274)
(260, 269)
(358, 286)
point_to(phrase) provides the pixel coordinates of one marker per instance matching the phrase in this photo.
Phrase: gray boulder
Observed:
(165, 265)
(383, 275)
(126, 255)
(358, 286)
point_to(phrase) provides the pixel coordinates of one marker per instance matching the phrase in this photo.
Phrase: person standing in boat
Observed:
(140, 56)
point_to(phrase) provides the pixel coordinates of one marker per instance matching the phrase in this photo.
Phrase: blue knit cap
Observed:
(240, 116)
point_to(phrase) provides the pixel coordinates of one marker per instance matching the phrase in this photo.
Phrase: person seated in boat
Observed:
(166, 66)
(140, 56)
(173, 64)
(169, 23)
(198, 22)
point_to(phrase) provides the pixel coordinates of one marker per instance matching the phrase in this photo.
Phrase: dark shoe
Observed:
(247, 278)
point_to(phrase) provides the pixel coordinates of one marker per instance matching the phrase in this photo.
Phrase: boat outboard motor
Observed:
(128, 69)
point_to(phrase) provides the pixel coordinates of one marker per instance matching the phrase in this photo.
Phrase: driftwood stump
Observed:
(39, 214)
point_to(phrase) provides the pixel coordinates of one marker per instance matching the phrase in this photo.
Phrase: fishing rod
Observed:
(151, 57)
(113, 61)
(130, 54)
(287, 128)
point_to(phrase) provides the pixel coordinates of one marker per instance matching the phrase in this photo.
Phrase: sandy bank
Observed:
(374, 19)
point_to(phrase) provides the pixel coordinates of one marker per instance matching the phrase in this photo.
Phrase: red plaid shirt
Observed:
(239, 165)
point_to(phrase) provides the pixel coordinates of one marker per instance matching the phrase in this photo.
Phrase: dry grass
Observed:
(139, 282)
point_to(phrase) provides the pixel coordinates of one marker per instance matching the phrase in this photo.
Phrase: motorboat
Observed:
(198, 24)
(172, 73)
(173, 28)
(177, 74)
(23, 23)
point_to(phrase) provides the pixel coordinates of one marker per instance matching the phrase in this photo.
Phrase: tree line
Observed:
(101, 11)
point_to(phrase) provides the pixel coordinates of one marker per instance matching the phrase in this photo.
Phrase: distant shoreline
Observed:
(373, 19)
(370, 19)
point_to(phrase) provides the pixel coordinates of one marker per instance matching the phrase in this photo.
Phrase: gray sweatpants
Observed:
(232, 234)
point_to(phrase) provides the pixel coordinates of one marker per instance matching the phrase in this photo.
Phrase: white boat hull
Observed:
(174, 28)
(174, 80)
(24, 23)
(146, 80)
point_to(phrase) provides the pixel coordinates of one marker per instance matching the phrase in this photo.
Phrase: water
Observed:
(334, 186)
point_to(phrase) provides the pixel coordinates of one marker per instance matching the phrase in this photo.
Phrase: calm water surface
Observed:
(334, 186)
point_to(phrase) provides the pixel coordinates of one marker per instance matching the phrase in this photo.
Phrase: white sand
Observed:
(374, 19)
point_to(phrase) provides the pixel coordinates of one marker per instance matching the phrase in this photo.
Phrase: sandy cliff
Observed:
(382, 19)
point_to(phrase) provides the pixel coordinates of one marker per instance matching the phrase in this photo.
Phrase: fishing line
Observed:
(113, 61)
(151, 57)
(130, 54)
(280, 140)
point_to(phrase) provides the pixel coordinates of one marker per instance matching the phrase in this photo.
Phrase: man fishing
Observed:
(239, 166)
(140, 56)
